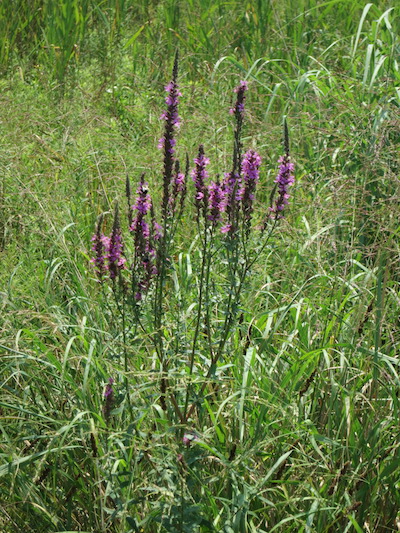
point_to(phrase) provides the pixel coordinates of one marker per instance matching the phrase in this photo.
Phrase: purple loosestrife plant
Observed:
(223, 260)
(170, 183)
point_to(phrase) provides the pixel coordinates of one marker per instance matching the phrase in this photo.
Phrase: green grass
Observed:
(299, 432)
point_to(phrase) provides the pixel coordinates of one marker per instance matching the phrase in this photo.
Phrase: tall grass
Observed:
(298, 429)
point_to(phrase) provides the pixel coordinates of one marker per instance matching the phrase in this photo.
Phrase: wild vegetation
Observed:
(176, 355)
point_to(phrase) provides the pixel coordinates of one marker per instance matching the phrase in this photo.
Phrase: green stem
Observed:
(198, 319)
(230, 314)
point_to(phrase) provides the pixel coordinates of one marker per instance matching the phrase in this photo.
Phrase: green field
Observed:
(256, 381)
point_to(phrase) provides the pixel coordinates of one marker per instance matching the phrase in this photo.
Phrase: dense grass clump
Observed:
(218, 367)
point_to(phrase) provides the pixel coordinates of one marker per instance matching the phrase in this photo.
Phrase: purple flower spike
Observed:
(143, 200)
(179, 182)
(172, 101)
(200, 175)
(284, 180)
(216, 201)
(250, 172)
(109, 389)
(115, 249)
(250, 165)
(240, 90)
(232, 190)
(144, 232)
(108, 399)
(168, 142)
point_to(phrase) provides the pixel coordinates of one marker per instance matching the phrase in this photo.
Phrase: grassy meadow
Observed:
(255, 384)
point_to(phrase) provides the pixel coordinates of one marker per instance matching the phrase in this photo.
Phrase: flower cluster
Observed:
(200, 175)
(108, 399)
(232, 184)
(250, 172)
(168, 142)
(228, 203)
(115, 248)
(170, 116)
(216, 201)
(236, 193)
(284, 180)
(108, 251)
(232, 188)
(172, 100)
(240, 90)
(144, 233)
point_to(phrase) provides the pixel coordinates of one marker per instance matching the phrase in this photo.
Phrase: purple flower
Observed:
(227, 228)
(109, 389)
(231, 187)
(144, 232)
(143, 200)
(250, 172)
(200, 175)
(157, 231)
(216, 201)
(167, 143)
(115, 249)
(250, 165)
(284, 180)
(240, 90)
(190, 437)
(172, 100)
(179, 182)
(108, 251)
(140, 227)
(171, 146)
